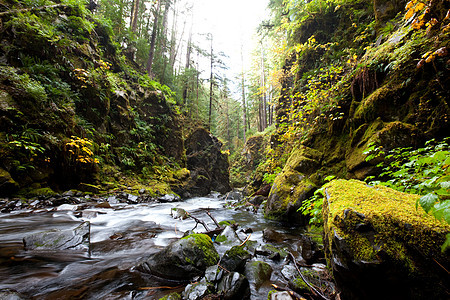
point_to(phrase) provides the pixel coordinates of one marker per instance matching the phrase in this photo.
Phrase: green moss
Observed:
(173, 296)
(205, 244)
(237, 251)
(397, 225)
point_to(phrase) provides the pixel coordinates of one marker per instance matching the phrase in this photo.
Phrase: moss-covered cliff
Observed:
(360, 72)
(73, 109)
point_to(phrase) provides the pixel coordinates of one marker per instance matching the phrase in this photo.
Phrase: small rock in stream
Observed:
(234, 286)
(73, 239)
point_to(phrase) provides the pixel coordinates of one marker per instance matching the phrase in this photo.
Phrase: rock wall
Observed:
(386, 99)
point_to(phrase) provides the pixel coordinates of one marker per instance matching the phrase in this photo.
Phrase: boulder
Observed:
(234, 286)
(228, 237)
(292, 186)
(380, 245)
(234, 259)
(7, 184)
(198, 290)
(207, 164)
(183, 259)
(73, 239)
(257, 272)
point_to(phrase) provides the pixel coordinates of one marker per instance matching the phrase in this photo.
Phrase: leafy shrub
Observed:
(423, 171)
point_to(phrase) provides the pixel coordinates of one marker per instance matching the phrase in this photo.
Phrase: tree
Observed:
(153, 39)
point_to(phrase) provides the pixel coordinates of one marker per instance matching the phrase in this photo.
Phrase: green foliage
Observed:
(23, 81)
(312, 206)
(423, 171)
(269, 178)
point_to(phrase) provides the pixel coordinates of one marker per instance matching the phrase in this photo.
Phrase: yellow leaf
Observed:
(420, 6)
(409, 14)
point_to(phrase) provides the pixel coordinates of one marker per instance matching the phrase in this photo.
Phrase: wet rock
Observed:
(257, 272)
(234, 286)
(271, 252)
(234, 259)
(183, 259)
(73, 239)
(169, 198)
(132, 199)
(280, 296)
(104, 204)
(8, 294)
(257, 200)
(196, 291)
(179, 213)
(270, 235)
(234, 195)
(213, 274)
(310, 250)
(228, 237)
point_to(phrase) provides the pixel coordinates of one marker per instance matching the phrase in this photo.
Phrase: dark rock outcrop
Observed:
(207, 164)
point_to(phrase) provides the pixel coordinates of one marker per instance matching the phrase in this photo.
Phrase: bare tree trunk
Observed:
(211, 84)
(134, 15)
(153, 40)
(188, 65)
(263, 90)
(243, 99)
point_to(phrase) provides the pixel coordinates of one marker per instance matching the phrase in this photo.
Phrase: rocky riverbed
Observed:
(124, 246)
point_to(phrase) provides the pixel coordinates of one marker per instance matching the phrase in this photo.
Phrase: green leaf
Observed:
(329, 178)
(447, 243)
(428, 201)
(442, 211)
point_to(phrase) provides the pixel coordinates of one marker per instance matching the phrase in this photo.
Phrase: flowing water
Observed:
(121, 237)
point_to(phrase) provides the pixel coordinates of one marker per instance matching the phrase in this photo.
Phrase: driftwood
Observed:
(33, 9)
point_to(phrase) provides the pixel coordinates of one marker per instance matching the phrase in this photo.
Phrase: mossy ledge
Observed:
(374, 232)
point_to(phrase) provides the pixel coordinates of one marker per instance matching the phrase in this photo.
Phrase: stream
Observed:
(121, 236)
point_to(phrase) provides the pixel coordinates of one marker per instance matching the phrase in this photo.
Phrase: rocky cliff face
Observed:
(73, 109)
(393, 94)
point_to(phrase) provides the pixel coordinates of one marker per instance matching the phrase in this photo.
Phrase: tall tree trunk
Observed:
(134, 15)
(263, 90)
(211, 85)
(187, 66)
(243, 99)
(153, 40)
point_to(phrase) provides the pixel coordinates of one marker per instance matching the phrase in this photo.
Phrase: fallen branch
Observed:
(198, 221)
(243, 243)
(160, 288)
(313, 289)
(212, 218)
(33, 9)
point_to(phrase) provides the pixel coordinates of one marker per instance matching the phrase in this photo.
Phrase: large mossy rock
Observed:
(292, 186)
(381, 246)
(207, 164)
(183, 259)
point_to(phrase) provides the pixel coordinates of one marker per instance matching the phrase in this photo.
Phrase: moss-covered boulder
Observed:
(377, 240)
(183, 259)
(292, 186)
(207, 164)
(7, 184)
